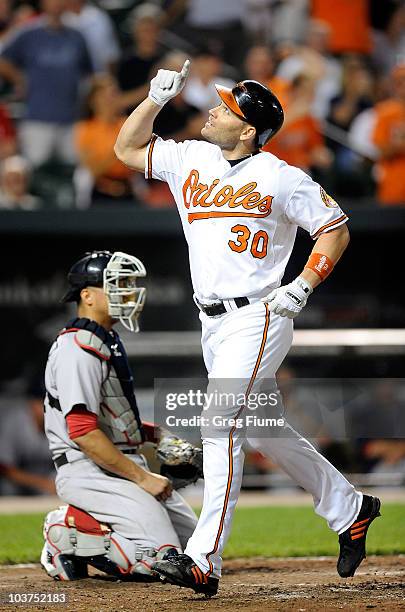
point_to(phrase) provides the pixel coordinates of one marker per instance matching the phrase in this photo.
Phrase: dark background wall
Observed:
(38, 249)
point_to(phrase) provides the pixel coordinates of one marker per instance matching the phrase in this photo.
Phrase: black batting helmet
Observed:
(256, 104)
(87, 272)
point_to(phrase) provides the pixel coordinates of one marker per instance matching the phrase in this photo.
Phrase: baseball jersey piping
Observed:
(230, 447)
(329, 226)
(150, 152)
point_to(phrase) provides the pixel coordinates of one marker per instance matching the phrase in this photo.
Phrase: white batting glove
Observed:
(289, 300)
(167, 84)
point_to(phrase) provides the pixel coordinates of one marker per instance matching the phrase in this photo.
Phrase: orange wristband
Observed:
(320, 264)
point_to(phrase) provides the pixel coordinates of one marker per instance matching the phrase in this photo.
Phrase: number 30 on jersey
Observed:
(258, 244)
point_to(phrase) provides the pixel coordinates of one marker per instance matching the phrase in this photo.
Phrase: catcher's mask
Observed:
(117, 274)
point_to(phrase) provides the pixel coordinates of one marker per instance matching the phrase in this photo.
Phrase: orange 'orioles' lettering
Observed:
(198, 194)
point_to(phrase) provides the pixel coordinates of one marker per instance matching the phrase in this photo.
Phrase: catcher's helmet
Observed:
(87, 272)
(256, 104)
(117, 274)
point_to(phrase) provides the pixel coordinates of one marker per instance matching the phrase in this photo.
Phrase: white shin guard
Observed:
(70, 546)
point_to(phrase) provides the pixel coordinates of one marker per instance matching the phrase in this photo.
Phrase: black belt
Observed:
(213, 310)
(53, 402)
(63, 460)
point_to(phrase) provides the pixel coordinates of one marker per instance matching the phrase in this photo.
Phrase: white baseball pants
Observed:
(250, 344)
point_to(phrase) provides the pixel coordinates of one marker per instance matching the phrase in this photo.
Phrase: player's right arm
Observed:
(135, 134)
(102, 451)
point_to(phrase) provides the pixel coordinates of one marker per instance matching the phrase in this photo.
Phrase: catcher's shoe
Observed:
(182, 571)
(63, 567)
(353, 541)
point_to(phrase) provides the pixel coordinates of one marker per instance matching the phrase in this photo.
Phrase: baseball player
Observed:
(120, 516)
(240, 208)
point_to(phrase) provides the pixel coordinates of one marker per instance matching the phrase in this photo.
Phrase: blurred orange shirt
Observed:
(280, 88)
(97, 138)
(295, 143)
(349, 22)
(390, 122)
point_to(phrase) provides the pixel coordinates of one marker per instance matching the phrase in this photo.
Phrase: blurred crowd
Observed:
(358, 425)
(360, 431)
(72, 70)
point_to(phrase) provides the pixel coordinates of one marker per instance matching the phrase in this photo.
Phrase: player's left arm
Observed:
(310, 207)
(331, 245)
(289, 300)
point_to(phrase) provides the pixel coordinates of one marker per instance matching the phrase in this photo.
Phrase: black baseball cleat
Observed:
(353, 541)
(182, 571)
(63, 567)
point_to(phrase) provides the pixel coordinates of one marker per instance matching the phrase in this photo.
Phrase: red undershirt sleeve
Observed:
(80, 421)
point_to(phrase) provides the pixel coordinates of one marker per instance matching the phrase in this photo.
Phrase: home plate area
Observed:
(248, 584)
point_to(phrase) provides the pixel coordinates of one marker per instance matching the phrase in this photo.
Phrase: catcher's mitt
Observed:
(181, 462)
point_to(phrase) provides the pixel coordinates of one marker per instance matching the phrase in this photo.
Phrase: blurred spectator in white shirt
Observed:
(206, 70)
(361, 134)
(214, 22)
(97, 30)
(210, 13)
(314, 60)
(289, 20)
(14, 185)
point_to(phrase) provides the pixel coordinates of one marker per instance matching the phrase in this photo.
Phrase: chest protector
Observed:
(119, 416)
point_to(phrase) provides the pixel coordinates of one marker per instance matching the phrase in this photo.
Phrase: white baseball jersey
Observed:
(240, 221)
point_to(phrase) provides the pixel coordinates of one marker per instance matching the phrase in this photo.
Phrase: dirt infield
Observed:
(254, 585)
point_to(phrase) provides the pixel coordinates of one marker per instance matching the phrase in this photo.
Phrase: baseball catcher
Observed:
(119, 516)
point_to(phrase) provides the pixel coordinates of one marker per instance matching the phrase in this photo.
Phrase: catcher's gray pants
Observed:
(129, 510)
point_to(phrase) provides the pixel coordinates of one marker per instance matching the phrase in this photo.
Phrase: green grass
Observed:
(271, 532)
(21, 538)
(298, 531)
